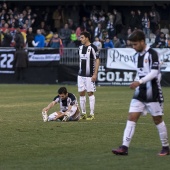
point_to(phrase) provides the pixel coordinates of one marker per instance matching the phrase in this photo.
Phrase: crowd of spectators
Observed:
(61, 26)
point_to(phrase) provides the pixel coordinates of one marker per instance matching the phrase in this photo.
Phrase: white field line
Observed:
(120, 123)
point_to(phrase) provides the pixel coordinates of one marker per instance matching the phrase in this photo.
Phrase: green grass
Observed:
(27, 143)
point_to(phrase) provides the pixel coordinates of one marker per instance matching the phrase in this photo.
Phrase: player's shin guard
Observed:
(128, 133)
(92, 104)
(162, 130)
(83, 104)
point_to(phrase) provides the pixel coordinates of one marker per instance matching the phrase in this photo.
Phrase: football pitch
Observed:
(27, 143)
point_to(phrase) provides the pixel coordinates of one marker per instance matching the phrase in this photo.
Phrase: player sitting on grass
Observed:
(69, 110)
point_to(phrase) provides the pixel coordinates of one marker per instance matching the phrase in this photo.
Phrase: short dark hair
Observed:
(137, 35)
(62, 90)
(86, 34)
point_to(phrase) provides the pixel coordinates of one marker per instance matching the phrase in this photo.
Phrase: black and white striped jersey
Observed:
(70, 100)
(151, 90)
(87, 57)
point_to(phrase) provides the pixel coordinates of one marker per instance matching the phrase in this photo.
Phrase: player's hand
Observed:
(45, 109)
(94, 78)
(134, 84)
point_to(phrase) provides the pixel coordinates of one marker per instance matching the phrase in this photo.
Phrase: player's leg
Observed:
(91, 88)
(56, 115)
(135, 110)
(156, 111)
(73, 114)
(82, 93)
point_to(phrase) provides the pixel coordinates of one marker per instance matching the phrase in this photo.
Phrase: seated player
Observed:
(69, 110)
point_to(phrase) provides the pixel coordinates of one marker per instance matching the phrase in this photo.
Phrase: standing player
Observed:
(148, 94)
(88, 69)
(69, 110)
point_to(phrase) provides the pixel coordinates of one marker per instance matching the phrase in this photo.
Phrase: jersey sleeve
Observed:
(155, 60)
(95, 52)
(56, 99)
(73, 99)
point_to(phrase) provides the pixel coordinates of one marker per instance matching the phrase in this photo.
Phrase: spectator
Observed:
(154, 20)
(48, 36)
(71, 24)
(20, 63)
(128, 33)
(30, 37)
(30, 21)
(110, 26)
(94, 14)
(6, 42)
(21, 21)
(18, 39)
(42, 25)
(165, 29)
(160, 41)
(97, 43)
(128, 44)
(74, 15)
(116, 42)
(71, 44)
(2, 23)
(57, 17)
(89, 24)
(73, 35)
(79, 30)
(101, 18)
(91, 31)
(84, 22)
(104, 36)
(64, 34)
(117, 21)
(3, 14)
(108, 43)
(55, 42)
(133, 20)
(139, 16)
(98, 31)
(168, 42)
(47, 16)
(146, 25)
(39, 39)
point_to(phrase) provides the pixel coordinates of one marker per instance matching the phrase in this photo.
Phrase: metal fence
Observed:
(70, 56)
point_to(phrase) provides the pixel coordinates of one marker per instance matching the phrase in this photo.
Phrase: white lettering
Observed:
(101, 76)
(6, 60)
(110, 76)
(101, 68)
(118, 76)
(128, 76)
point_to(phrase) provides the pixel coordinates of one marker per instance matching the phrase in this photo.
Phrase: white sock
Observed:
(52, 116)
(92, 104)
(83, 104)
(128, 132)
(162, 130)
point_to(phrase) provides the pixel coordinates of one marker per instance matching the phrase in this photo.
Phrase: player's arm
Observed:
(49, 106)
(153, 73)
(97, 63)
(72, 107)
(145, 79)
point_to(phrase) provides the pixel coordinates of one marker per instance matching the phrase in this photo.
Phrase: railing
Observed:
(70, 56)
